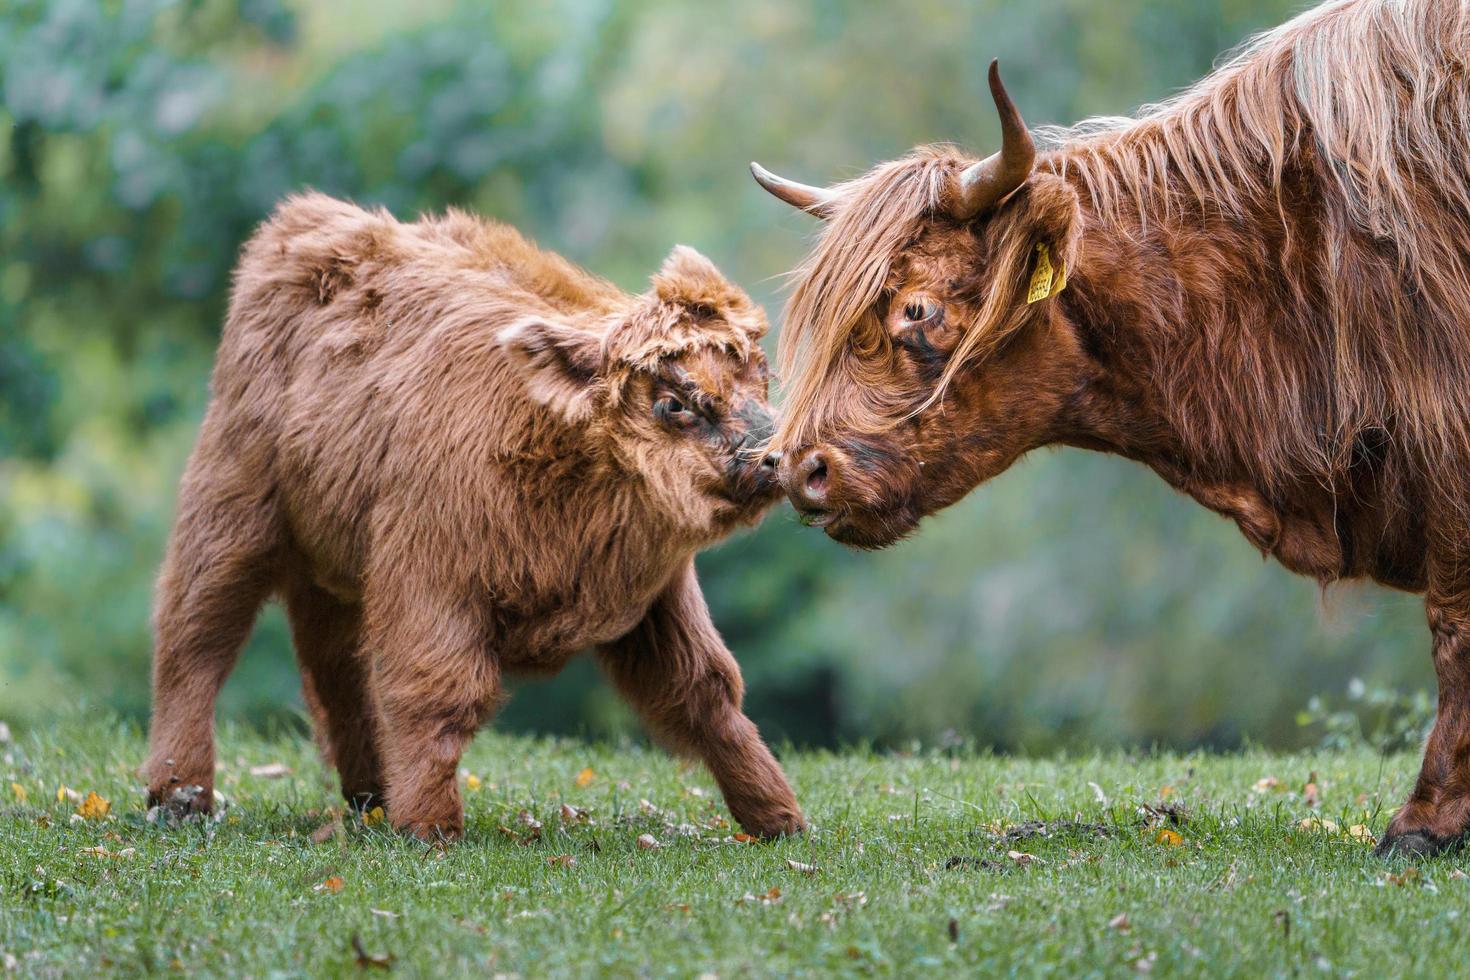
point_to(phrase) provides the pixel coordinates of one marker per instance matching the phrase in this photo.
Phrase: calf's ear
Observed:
(561, 365)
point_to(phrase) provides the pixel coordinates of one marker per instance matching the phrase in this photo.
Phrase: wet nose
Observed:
(807, 479)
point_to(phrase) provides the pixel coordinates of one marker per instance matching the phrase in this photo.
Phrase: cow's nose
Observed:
(807, 479)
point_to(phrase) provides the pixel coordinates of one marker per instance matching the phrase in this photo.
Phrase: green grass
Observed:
(915, 876)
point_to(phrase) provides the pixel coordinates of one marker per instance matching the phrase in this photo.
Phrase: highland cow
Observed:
(455, 456)
(1258, 289)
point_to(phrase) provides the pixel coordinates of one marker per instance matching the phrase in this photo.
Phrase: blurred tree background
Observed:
(1076, 600)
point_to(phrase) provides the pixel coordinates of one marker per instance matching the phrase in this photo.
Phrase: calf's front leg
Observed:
(434, 681)
(1437, 814)
(677, 673)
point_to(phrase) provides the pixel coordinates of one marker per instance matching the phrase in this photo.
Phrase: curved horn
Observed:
(813, 200)
(981, 186)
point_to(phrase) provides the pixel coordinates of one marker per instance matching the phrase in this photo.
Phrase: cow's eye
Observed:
(924, 311)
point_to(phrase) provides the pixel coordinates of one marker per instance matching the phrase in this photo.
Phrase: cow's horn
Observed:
(813, 200)
(983, 185)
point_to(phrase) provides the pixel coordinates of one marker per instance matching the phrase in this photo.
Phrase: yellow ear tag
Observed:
(1047, 280)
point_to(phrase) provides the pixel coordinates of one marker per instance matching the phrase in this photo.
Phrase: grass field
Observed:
(930, 863)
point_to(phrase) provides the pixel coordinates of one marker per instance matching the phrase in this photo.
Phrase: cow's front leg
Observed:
(678, 674)
(1437, 814)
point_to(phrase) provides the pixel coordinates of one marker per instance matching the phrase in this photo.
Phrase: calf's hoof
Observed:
(769, 826)
(181, 800)
(431, 832)
(365, 801)
(1418, 843)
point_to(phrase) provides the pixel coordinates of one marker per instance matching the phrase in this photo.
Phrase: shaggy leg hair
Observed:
(335, 684)
(1438, 810)
(218, 571)
(678, 674)
(433, 686)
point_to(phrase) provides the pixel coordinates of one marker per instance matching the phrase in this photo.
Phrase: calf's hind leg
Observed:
(678, 674)
(327, 634)
(218, 570)
(1437, 814)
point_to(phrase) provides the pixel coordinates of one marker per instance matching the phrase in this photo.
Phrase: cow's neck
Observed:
(1179, 325)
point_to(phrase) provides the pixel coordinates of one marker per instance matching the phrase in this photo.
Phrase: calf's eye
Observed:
(671, 409)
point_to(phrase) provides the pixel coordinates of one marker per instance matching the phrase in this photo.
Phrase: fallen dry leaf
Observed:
(743, 839)
(102, 852)
(20, 792)
(770, 897)
(1407, 876)
(806, 869)
(66, 793)
(648, 842)
(270, 770)
(94, 807)
(328, 830)
(334, 884)
(472, 783)
(1266, 784)
(1167, 837)
(1024, 859)
(585, 777)
(1120, 922)
(571, 815)
(1320, 824)
(1360, 832)
(374, 817)
(562, 861)
(529, 821)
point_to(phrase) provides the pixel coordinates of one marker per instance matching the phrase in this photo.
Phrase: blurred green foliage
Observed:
(1073, 600)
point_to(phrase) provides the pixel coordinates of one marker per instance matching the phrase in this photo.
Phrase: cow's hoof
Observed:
(1418, 843)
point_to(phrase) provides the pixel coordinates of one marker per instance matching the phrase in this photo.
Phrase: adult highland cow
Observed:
(1260, 290)
(454, 455)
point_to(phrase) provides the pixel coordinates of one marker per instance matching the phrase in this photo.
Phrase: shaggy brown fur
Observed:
(1266, 303)
(455, 455)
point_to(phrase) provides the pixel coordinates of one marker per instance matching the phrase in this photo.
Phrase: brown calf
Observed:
(454, 455)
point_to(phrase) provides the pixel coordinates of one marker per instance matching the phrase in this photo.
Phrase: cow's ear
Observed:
(562, 365)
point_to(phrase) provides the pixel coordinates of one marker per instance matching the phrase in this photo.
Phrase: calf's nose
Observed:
(807, 478)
